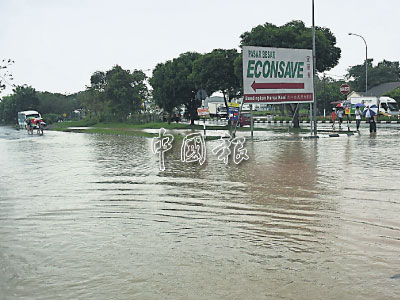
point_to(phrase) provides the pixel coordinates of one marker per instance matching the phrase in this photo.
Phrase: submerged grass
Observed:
(114, 128)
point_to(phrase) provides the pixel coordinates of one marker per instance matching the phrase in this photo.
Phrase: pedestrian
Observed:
(28, 125)
(372, 124)
(358, 117)
(340, 116)
(333, 116)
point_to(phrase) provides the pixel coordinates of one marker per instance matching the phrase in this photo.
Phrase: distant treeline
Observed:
(119, 94)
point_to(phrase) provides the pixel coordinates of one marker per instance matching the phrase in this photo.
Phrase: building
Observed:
(376, 91)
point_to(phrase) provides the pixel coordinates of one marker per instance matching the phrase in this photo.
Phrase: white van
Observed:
(386, 105)
(23, 115)
(389, 106)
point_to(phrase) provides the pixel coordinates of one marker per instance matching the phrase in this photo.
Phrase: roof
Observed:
(214, 99)
(381, 89)
(28, 112)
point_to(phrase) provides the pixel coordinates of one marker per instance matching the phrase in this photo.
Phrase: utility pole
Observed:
(314, 73)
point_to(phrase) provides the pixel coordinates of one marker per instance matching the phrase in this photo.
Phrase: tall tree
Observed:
(23, 98)
(115, 93)
(215, 72)
(125, 90)
(296, 35)
(384, 71)
(173, 84)
(327, 90)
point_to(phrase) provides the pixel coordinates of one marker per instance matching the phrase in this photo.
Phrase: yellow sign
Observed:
(232, 104)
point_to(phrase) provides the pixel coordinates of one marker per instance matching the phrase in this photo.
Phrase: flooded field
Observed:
(92, 217)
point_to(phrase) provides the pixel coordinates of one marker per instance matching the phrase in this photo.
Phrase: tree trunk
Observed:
(295, 115)
(227, 110)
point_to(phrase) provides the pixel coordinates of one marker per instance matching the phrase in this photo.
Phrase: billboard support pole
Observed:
(251, 120)
(311, 119)
(314, 73)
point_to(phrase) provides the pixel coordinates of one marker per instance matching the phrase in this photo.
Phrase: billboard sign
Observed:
(203, 112)
(277, 75)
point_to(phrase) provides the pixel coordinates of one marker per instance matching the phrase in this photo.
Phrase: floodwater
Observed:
(92, 217)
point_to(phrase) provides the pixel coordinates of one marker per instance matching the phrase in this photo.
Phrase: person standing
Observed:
(340, 116)
(333, 115)
(358, 117)
(372, 124)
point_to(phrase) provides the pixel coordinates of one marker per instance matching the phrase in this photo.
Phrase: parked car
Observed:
(244, 119)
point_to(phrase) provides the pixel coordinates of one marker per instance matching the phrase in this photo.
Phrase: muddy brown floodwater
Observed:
(92, 217)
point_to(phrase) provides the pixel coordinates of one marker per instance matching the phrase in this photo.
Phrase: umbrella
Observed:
(370, 111)
(339, 105)
(346, 103)
(359, 105)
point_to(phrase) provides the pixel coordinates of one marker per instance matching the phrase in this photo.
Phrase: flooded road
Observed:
(92, 217)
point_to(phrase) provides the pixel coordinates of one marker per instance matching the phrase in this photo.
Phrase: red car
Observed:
(244, 119)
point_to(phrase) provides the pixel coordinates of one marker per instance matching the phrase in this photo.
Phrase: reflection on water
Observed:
(92, 217)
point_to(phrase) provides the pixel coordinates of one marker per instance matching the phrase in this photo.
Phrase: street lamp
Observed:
(366, 61)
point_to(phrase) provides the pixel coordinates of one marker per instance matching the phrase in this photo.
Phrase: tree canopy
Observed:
(296, 35)
(23, 98)
(214, 72)
(173, 84)
(384, 71)
(116, 93)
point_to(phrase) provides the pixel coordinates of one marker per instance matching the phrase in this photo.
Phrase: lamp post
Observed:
(366, 61)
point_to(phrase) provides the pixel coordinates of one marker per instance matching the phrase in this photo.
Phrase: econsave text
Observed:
(275, 69)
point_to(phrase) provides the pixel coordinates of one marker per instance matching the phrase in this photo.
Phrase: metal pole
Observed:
(366, 61)
(311, 120)
(204, 118)
(251, 120)
(366, 67)
(314, 73)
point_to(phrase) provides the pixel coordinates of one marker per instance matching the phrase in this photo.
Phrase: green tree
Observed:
(57, 103)
(115, 94)
(126, 91)
(327, 90)
(215, 72)
(23, 98)
(296, 35)
(384, 71)
(395, 94)
(173, 85)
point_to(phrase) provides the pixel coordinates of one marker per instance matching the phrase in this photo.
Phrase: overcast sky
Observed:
(57, 45)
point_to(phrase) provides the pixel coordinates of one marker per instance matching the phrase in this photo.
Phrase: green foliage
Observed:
(23, 98)
(395, 94)
(215, 71)
(173, 84)
(57, 103)
(327, 90)
(296, 35)
(115, 94)
(50, 118)
(384, 71)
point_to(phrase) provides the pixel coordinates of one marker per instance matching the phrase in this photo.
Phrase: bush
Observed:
(51, 118)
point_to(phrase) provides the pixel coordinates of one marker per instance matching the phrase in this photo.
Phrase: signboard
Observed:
(203, 112)
(233, 113)
(277, 75)
(345, 89)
